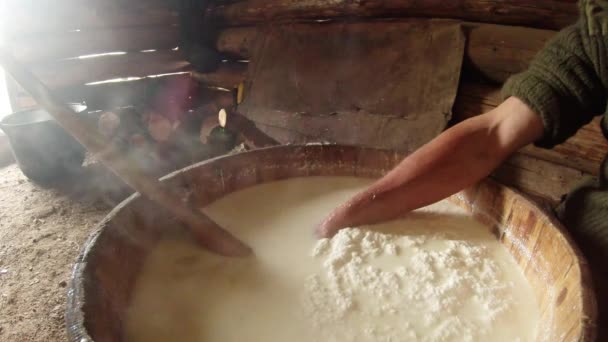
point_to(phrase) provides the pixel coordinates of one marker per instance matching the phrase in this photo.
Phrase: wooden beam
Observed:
(75, 72)
(584, 151)
(551, 14)
(493, 51)
(108, 96)
(137, 92)
(54, 46)
(27, 16)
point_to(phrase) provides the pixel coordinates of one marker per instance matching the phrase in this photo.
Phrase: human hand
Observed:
(332, 223)
(346, 215)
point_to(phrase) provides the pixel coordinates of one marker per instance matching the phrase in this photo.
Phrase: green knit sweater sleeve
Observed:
(566, 82)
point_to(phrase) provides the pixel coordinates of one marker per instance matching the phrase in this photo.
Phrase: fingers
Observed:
(322, 231)
(328, 228)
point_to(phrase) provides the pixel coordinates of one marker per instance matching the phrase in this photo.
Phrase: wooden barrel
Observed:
(107, 269)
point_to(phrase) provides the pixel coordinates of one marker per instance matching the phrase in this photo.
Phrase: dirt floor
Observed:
(42, 231)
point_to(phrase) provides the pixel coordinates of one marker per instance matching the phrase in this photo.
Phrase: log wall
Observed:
(127, 60)
(502, 38)
(493, 53)
(70, 44)
(552, 14)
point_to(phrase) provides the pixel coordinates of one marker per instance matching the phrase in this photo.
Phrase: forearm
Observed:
(456, 159)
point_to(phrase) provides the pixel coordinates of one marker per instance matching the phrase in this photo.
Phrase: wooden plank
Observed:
(552, 14)
(584, 151)
(74, 72)
(471, 94)
(53, 46)
(31, 16)
(494, 51)
(120, 94)
(107, 96)
(538, 177)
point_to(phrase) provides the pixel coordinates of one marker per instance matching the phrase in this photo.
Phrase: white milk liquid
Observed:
(436, 275)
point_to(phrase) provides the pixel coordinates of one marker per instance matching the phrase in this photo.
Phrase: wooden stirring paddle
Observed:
(205, 230)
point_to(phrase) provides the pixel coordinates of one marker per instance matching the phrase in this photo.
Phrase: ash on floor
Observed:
(42, 230)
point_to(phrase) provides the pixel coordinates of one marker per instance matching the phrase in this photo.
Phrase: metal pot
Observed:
(44, 151)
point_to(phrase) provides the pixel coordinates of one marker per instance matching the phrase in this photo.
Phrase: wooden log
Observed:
(494, 51)
(551, 14)
(584, 151)
(102, 96)
(119, 94)
(53, 46)
(228, 76)
(475, 98)
(238, 41)
(108, 96)
(23, 17)
(538, 177)
(498, 51)
(74, 72)
(220, 98)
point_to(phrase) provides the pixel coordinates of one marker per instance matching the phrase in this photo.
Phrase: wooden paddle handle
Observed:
(205, 230)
